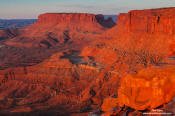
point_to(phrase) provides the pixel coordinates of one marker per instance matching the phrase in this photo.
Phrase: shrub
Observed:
(146, 51)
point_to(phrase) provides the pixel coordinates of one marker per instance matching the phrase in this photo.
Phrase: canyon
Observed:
(80, 64)
(16, 23)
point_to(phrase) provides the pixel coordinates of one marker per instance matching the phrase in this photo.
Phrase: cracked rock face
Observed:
(148, 89)
(149, 21)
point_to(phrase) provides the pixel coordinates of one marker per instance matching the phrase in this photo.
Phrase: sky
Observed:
(20, 9)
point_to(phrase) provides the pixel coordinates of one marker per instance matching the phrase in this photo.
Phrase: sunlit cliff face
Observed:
(76, 64)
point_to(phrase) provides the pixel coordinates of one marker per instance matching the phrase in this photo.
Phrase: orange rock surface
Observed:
(156, 22)
(52, 82)
(70, 63)
(71, 21)
(147, 89)
(149, 21)
(109, 104)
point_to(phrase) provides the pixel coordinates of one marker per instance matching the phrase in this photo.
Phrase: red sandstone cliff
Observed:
(53, 83)
(158, 23)
(58, 18)
(105, 22)
(53, 29)
(149, 21)
(71, 21)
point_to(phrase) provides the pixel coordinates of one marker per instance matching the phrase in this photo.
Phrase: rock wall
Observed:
(84, 20)
(149, 21)
(56, 18)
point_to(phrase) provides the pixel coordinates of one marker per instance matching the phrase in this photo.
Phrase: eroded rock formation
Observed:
(149, 21)
(66, 64)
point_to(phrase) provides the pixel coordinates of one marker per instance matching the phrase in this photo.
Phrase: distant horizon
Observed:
(77, 12)
(21, 9)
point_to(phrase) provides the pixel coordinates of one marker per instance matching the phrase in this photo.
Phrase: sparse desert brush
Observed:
(129, 52)
(144, 50)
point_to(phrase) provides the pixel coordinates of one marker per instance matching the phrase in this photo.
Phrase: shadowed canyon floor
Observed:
(78, 64)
